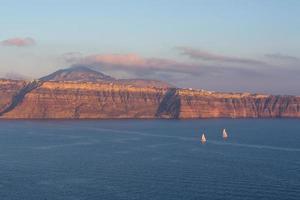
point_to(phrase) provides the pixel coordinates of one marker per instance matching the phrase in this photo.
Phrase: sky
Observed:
(220, 45)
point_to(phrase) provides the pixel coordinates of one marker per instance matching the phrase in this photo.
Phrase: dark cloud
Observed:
(18, 42)
(208, 56)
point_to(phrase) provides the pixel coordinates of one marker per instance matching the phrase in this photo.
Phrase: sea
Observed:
(149, 159)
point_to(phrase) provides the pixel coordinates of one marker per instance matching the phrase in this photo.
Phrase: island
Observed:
(82, 93)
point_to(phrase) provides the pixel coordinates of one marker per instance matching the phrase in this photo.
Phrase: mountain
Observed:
(79, 74)
(82, 93)
(85, 74)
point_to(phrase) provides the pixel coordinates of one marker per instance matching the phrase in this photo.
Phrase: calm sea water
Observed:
(128, 159)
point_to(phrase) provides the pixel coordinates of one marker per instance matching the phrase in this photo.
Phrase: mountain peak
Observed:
(77, 73)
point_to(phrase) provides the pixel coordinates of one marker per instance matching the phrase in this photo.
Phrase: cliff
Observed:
(236, 105)
(48, 99)
(8, 89)
(87, 100)
(73, 100)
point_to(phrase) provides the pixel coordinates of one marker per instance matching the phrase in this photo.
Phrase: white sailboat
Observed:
(203, 138)
(224, 135)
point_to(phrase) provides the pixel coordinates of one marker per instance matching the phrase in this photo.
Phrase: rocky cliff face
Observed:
(8, 89)
(196, 104)
(104, 100)
(87, 100)
(71, 100)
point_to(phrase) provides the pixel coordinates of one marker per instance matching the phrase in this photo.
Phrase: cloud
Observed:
(129, 61)
(118, 59)
(282, 57)
(211, 76)
(208, 56)
(135, 64)
(18, 42)
(158, 68)
(71, 57)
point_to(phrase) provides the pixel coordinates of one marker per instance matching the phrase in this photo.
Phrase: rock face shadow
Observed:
(170, 105)
(18, 98)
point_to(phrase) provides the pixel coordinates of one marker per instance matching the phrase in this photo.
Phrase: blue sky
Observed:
(221, 33)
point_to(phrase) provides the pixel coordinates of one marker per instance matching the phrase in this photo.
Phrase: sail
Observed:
(203, 138)
(225, 135)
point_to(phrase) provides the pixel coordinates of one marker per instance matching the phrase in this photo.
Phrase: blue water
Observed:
(128, 159)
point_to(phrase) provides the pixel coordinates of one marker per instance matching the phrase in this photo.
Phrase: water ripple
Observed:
(255, 146)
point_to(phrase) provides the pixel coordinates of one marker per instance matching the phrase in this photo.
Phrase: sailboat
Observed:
(225, 135)
(203, 138)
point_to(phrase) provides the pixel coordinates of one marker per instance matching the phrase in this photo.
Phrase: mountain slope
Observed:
(79, 74)
(85, 74)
